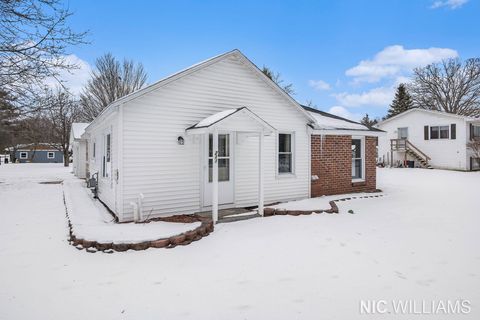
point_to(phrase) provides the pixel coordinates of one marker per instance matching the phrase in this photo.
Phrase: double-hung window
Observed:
(439, 132)
(23, 155)
(50, 155)
(358, 158)
(107, 156)
(285, 153)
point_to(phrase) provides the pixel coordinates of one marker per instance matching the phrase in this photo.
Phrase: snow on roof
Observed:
(214, 118)
(435, 112)
(78, 129)
(34, 146)
(327, 121)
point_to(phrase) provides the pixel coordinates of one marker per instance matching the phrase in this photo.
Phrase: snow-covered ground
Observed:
(418, 242)
(91, 220)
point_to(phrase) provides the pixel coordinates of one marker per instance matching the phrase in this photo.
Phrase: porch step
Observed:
(234, 218)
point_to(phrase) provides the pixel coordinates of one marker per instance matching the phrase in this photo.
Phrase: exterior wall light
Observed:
(180, 140)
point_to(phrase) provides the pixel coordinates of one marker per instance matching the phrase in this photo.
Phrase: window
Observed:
(106, 157)
(285, 153)
(357, 158)
(402, 133)
(223, 157)
(474, 164)
(439, 132)
(476, 132)
(23, 155)
(94, 149)
(50, 155)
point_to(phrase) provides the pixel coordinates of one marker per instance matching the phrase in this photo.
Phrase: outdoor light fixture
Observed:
(180, 140)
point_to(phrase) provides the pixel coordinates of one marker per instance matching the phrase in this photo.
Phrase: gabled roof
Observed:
(34, 146)
(433, 112)
(78, 128)
(199, 66)
(328, 121)
(215, 120)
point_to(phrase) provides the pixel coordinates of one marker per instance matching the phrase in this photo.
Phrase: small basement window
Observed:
(23, 155)
(50, 155)
(285, 153)
(439, 132)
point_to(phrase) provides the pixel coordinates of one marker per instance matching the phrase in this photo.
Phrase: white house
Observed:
(219, 134)
(78, 147)
(430, 138)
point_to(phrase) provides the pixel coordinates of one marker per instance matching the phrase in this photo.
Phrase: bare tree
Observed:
(276, 77)
(33, 44)
(474, 146)
(110, 81)
(450, 86)
(63, 110)
(8, 114)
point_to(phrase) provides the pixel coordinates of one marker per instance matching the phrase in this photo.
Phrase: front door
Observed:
(225, 169)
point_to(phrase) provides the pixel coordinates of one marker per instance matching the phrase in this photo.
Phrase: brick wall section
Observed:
(332, 163)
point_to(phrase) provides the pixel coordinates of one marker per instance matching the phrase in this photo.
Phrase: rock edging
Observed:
(182, 239)
(269, 212)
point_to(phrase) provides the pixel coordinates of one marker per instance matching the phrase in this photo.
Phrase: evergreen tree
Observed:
(402, 102)
(369, 123)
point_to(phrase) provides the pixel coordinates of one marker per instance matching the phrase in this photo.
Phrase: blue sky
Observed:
(345, 56)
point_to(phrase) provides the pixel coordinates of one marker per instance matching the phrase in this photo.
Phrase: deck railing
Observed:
(405, 145)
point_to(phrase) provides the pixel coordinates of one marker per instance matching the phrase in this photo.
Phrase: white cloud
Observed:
(76, 78)
(381, 96)
(395, 60)
(344, 113)
(319, 85)
(452, 4)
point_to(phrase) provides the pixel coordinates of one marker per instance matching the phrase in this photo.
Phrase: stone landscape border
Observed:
(182, 239)
(185, 238)
(269, 212)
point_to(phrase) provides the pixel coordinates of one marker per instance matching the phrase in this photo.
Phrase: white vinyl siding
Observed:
(106, 185)
(444, 153)
(170, 175)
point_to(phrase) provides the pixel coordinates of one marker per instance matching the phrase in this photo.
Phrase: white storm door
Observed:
(225, 169)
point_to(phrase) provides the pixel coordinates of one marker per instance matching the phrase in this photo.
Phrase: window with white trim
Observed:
(106, 156)
(285, 153)
(23, 155)
(358, 158)
(439, 132)
(50, 155)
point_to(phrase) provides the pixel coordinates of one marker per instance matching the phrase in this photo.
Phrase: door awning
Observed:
(240, 120)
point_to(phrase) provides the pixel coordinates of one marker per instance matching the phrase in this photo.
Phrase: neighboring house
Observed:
(221, 134)
(4, 158)
(430, 138)
(79, 150)
(36, 153)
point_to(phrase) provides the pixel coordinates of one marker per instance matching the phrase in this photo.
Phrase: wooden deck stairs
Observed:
(403, 145)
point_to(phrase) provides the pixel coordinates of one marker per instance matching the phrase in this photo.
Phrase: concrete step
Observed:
(234, 218)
